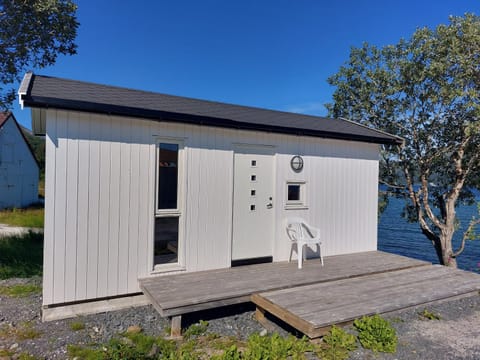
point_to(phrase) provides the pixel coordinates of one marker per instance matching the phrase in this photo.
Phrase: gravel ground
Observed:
(455, 336)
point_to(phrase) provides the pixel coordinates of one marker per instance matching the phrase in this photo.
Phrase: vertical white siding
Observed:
(93, 239)
(60, 207)
(341, 183)
(83, 206)
(100, 195)
(49, 250)
(104, 130)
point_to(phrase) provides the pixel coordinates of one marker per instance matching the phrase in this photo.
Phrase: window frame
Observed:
(180, 143)
(177, 212)
(296, 204)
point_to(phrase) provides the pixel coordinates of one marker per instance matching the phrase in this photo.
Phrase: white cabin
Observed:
(142, 184)
(19, 171)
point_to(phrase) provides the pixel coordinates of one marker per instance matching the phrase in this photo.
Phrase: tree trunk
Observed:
(446, 251)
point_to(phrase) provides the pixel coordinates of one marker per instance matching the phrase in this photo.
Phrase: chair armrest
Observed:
(313, 232)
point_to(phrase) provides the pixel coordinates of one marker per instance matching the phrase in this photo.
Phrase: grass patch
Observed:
(141, 346)
(376, 333)
(21, 255)
(429, 315)
(77, 326)
(337, 345)
(19, 291)
(29, 217)
(9, 354)
(196, 329)
(26, 356)
(6, 353)
(24, 331)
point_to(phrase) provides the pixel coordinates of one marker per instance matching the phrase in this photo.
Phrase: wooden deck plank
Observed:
(182, 293)
(265, 270)
(334, 294)
(337, 302)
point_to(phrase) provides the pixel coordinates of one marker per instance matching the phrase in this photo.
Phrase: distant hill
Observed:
(38, 145)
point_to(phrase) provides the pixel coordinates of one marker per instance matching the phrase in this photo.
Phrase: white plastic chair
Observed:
(301, 234)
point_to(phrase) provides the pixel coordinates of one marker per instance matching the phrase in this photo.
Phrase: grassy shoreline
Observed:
(29, 217)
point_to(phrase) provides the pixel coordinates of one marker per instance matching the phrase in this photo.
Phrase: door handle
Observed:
(269, 206)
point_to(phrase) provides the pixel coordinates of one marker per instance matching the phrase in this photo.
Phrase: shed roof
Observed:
(51, 92)
(4, 116)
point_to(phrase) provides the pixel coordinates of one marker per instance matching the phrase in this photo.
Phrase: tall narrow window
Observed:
(167, 176)
(168, 215)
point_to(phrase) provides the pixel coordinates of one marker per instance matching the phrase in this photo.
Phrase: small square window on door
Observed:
(295, 195)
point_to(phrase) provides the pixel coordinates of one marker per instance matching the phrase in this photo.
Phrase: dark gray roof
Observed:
(45, 91)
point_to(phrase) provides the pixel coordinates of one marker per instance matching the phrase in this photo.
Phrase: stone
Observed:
(134, 329)
(153, 351)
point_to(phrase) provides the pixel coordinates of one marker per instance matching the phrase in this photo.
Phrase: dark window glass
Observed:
(167, 176)
(293, 192)
(166, 240)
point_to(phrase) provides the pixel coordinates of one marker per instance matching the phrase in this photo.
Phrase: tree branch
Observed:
(426, 204)
(393, 186)
(466, 235)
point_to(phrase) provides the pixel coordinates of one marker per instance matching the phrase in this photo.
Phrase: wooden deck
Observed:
(180, 294)
(312, 309)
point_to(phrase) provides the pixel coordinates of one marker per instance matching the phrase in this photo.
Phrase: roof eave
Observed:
(45, 102)
(24, 88)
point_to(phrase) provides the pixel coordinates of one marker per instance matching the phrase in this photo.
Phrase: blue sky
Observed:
(271, 54)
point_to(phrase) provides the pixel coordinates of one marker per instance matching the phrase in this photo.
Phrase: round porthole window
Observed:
(296, 163)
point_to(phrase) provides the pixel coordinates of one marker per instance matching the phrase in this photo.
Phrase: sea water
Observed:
(398, 236)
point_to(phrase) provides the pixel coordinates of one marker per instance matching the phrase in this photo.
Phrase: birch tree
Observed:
(425, 89)
(32, 34)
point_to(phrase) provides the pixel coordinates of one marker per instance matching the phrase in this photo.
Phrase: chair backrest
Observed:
(295, 229)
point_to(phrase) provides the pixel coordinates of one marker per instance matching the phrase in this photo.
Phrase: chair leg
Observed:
(300, 255)
(291, 253)
(321, 253)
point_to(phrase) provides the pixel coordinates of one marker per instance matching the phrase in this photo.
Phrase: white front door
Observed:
(253, 203)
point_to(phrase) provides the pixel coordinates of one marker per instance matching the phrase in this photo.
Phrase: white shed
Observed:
(141, 184)
(19, 169)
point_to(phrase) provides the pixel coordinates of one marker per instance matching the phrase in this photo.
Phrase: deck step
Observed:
(312, 309)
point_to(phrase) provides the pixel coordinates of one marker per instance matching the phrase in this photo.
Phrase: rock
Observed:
(153, 351)
(134, 329)
(14, 346)
(126, 341)
(264, 332)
